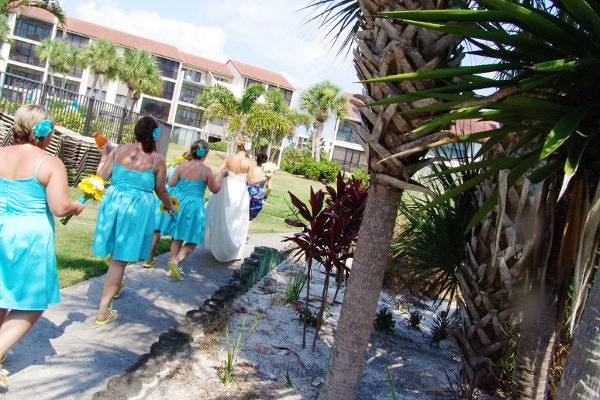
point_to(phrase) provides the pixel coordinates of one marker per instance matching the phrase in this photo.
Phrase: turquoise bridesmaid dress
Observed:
(126, 216)
(163, 224)
(189, 221)
(28, 275)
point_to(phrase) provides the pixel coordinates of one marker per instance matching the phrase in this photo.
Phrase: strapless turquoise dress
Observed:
(28, 275)
(126, 216)
(189, 221)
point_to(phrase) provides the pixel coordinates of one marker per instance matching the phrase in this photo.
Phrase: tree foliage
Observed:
(139, 70)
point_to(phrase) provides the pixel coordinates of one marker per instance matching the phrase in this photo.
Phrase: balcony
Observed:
(25, 53)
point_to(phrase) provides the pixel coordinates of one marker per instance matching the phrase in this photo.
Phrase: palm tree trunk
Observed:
(581, 375)
(316, 144)
(94, 86)
(536, 347)
(362, 294)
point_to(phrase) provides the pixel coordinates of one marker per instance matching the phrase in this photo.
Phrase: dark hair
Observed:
(143, 133)
(261, 158)
(195, 146)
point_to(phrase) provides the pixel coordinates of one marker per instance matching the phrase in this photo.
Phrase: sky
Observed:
(272, 34)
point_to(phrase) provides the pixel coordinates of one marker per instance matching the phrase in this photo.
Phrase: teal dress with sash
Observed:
(126, 216)
(28, 274)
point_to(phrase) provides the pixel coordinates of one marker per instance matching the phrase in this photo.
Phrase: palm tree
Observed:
(61, 57)
(271, 121)
(139, 71)
(544, 97)
(220, 103)
(383, 47)
(11, 6)
(100, 57)
(322, 100)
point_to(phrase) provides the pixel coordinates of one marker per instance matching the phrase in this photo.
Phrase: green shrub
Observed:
(300, 162)
(218, 146)
(362, 174)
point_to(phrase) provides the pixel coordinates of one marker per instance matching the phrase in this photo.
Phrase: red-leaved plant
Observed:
(330, 225)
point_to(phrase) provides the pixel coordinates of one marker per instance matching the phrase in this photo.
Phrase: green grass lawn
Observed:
(76, 262)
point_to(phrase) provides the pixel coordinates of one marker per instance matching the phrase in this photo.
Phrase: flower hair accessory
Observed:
(247, 146)
(156, 133)
(42, 129)
(200, 152)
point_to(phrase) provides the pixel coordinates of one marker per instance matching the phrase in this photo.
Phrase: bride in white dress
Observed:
(227, 212)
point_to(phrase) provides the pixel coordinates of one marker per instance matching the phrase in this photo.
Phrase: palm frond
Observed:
(340, 18)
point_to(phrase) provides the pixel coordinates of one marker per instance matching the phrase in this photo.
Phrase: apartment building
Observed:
(184, 75)
(348, 149)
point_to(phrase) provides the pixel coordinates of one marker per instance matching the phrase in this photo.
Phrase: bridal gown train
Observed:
(227, 219)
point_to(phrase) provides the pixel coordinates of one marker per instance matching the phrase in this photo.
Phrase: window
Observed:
(32, 29)
(168, 90)
(100, 95)
(75, 71)
(169, 68)
(72, 87)
(25, 73)
(287, 94)
(120, 100)
(190, 75)
(25, 53)
(188, 116)
(251, 81)
(221, 79)
(155, 108)
(347, 134)
(189, 93)
(74, 39)
(348, 159)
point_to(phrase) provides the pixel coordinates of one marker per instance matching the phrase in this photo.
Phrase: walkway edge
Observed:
(150, 365)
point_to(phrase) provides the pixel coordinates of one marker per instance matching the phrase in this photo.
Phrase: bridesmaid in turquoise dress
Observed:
(33, 187)
(126, 215)
(186, 227)
(159, 225)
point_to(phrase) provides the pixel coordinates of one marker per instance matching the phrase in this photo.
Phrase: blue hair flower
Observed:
(156, 133)
(200, 152)
(42, 128)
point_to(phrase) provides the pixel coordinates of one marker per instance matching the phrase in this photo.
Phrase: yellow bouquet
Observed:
(92, 187)
(175, 202)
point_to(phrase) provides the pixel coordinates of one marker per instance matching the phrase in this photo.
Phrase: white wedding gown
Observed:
(227, 219)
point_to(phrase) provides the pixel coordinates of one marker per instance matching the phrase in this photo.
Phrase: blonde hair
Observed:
(26, 118)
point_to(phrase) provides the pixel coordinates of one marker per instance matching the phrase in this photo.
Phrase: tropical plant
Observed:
(383, 47)
(440, 328)
(321, 101)
(384, 321)
(219, 102)
(139, 70)
(330, 228)
(61, 57)
(547, 55)
(271, 121)
(100, 56)
(414, 319)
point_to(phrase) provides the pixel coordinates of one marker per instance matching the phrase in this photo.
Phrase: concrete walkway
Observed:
(68, 356)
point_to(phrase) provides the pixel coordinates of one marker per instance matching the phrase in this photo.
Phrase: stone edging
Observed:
(150, 365)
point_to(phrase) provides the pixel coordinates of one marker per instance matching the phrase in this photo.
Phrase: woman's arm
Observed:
(213, 184)
(106, 162)
(57, 191)
(159, 186)
(175, 177)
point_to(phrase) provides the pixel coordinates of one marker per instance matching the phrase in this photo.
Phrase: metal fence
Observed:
(79, 113)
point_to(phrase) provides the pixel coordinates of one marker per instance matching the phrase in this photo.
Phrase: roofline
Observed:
(288, 87)
(47, 17)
